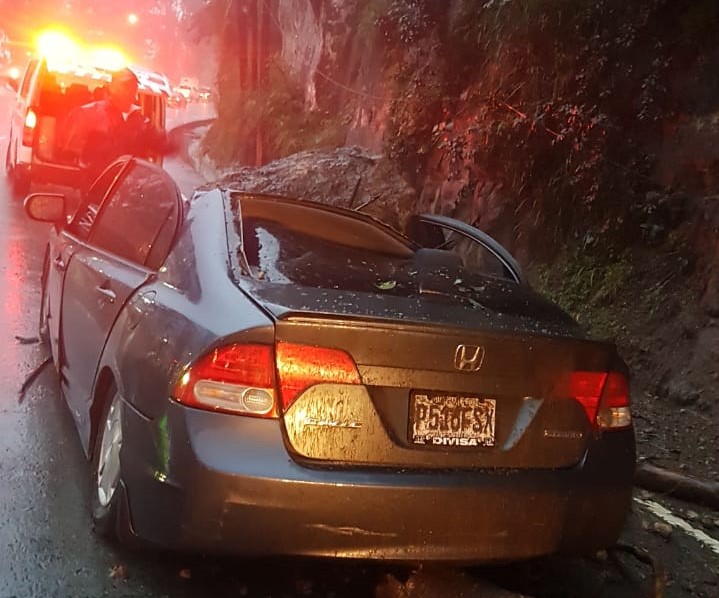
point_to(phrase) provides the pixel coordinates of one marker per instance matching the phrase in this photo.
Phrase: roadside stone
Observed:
(663, 529)
(692, 515)
(119, 572)
(681, 391)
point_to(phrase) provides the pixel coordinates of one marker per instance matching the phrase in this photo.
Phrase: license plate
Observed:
(451, 420)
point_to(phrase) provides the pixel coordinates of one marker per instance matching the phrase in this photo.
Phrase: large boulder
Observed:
(348, 177)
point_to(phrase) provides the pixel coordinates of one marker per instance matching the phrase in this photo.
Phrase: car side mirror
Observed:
(46, 207)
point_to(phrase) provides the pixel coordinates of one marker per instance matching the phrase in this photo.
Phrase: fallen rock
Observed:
(118, 572)
(663, 529)
(348, 177)
(681, 391)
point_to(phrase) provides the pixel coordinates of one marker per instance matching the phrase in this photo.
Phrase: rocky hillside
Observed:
(581, 134)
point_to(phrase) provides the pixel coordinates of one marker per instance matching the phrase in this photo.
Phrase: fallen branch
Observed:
(679, 485)
(366, 203)
(32, 376)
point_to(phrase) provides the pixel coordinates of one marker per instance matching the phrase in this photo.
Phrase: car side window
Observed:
(473, 256)
(87, 211)
(138, 219)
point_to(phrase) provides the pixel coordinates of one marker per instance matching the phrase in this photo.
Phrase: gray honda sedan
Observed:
(263, 375)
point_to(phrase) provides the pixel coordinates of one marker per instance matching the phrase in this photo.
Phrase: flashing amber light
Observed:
(63, 53)
(57, 47)
(110, 59)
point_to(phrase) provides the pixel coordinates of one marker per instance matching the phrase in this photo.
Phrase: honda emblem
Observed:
(468, 358)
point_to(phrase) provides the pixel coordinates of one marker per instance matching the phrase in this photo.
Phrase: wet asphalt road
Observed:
(47, 547)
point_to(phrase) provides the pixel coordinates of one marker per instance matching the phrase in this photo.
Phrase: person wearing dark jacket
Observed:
(98, 132)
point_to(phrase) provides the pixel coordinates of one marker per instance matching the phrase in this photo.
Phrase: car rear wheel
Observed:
(106, 499)
(19, 184)
(43, 325)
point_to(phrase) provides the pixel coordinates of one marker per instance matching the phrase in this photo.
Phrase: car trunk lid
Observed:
(447, 386)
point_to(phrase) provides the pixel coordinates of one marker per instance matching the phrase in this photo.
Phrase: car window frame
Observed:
(512, 270)
(74, 225)
(125, 172)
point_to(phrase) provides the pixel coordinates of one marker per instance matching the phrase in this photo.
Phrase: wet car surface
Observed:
(260, 375)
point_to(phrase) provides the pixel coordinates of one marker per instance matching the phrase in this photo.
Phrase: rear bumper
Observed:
(215, 483)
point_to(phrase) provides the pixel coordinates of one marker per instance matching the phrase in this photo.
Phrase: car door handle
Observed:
(59, 263)
(107, 294)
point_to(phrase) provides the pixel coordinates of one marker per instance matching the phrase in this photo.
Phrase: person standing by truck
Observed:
(98, 132)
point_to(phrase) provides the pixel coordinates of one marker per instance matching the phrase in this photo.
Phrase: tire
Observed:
(8, 164)
(106, 499)
(19, 184)
(43, 327)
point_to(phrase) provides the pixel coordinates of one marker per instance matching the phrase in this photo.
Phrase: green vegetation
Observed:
(278, 112)
(564, 104)
(589, 287)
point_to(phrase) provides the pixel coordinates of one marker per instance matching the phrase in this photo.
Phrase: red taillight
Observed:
(614, 411)
(232, 379)
(28, 130)
(302, 366)
(586, 387)
(603, 395)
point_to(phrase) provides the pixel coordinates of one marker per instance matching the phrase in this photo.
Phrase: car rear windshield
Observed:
(330, 251)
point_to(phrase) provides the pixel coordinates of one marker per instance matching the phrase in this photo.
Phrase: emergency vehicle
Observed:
(55, 82)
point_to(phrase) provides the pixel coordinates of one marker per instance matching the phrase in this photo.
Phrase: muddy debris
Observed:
(441, 583)
(663, 529)
(119, 571)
